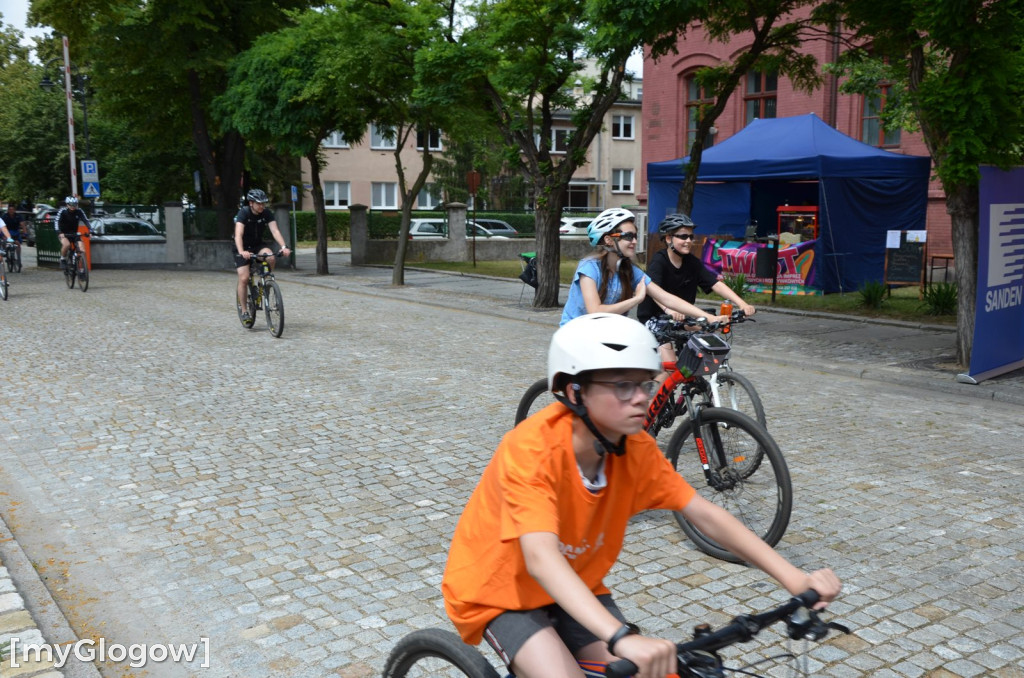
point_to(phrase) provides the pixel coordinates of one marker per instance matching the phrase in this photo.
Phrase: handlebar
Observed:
(265, 255)
(801, 622)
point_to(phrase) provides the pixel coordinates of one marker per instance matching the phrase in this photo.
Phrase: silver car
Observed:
(119, 229)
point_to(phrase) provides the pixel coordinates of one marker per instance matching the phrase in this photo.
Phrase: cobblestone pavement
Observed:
(175, 478)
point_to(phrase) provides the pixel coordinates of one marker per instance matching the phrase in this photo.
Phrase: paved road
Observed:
(175, 478)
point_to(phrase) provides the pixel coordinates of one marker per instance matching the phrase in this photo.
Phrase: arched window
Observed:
(696, 96)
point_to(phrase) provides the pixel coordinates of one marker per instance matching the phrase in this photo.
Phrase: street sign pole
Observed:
(71, 118)
(295, 230)
(473, 181)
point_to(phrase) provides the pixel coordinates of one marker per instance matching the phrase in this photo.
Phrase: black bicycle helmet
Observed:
(257, 195)
(674, 222)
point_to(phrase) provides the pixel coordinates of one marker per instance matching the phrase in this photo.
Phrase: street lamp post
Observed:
(48, 85)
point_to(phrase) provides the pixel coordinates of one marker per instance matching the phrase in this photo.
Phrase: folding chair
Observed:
(529, 274)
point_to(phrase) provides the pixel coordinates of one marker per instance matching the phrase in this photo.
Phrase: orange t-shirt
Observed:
(533, 485)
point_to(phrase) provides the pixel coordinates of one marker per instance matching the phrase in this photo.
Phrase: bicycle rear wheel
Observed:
(273, 306)
(536, 398)
(435, 652)
(82, 271)
(761, 498)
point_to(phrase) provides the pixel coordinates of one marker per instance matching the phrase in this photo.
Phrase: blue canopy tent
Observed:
(861, 191)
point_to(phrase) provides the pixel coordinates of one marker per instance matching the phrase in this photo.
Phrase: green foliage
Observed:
(940, 299)
(872, 294)
(337, 225)
(736, 282)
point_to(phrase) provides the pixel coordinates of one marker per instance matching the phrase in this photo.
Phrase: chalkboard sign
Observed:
(904, 265)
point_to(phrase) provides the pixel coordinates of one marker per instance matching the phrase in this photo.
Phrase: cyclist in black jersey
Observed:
(66, 224)
(251, 224)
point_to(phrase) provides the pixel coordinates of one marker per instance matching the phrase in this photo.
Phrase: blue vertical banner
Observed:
(999, 317)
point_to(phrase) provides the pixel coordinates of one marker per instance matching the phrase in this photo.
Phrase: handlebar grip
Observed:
(809, 597)
(621, 668)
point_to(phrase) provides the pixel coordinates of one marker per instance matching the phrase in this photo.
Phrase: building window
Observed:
(433, 138)
(427, 199)
(696, 97)
(335, 140)
(872, 131)
(383, 138)
(762, 95)
(560, 139)
(336, 194)
(622, 181)
(622, 127)
(384, 195)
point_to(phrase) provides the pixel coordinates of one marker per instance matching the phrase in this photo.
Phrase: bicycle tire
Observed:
(436, 653)
(273, 306)
(10, 260)
(762, 500)
(737, 393)
(82, 272)
(69, 273)
(250, 305)
(18, 260)
(533, 400)
(3, 284)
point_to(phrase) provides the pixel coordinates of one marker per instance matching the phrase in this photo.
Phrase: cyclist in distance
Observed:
(679, 272)
(66, 224)
(251, 224)
(608, 281)
(10, 226)
(547, 520)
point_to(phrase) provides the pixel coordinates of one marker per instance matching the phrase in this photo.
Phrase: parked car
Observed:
(574, 226)
(115, 229)
(44, 219)
(497, 227)
(437, 229)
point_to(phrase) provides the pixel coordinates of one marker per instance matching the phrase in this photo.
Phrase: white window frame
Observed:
(337, 195)
(335, 140)
(619, 184)
(433, 139)
(426, 199)
(619, 122)
(377, 140)
(564, 132)
(379, 198)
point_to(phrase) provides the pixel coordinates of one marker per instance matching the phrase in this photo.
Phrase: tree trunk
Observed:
(549, 253)
(408, 198)
(320, 211)
(962, 205)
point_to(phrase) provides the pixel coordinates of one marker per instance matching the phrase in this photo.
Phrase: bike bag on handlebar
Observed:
(703, 354)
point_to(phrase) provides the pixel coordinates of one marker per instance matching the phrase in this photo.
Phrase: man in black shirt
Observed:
(251, 224)
(678, 271)
(66, 224)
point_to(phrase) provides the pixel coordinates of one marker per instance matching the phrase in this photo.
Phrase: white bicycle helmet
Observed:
(600, 341)
(606, 221)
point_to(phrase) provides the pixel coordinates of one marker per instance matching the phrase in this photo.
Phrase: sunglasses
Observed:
(628, 236)
(683, 236)
(624, 390)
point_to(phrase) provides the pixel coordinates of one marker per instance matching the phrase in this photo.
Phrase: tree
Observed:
(776, 30)
(962, 68)
(279, 97)
(523, 58)
(160, 63)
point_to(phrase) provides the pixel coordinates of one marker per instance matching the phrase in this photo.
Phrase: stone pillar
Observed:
(458, 247)
(358, 233)
(174, 224)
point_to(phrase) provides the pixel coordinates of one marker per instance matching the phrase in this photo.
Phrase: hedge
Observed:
(384, 225)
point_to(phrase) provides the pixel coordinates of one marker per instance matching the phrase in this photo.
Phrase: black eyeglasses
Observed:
(628, 236)
(683, 236)
(624, 390)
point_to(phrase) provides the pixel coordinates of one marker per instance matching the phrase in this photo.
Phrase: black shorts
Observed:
(509, 631)
(241, 261)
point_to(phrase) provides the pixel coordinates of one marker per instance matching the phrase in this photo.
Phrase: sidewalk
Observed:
(893, 352)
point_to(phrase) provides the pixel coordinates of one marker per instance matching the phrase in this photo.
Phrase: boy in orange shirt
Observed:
(547, 520)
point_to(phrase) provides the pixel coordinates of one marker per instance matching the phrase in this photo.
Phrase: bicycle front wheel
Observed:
(10, 260)
(69, 273)
(762, 498)
(82, 271)
(536, 398)
(17, 260)
(435, 652)
(273, 305)
(3, 284)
